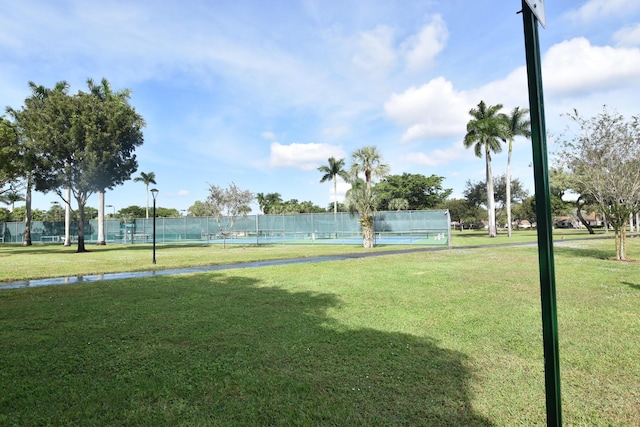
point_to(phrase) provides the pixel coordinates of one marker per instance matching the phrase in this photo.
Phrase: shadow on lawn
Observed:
(579, 252)
(220, 350)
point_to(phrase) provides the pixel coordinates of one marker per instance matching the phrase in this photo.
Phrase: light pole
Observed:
(154, 192)
(114, 209)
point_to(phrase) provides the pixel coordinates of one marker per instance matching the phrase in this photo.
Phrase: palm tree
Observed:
(147, 178)
(104, 93)
(485, 132)
(517, 125)
(332, 171)
(368, 160)
(11, 198)
(363, 201)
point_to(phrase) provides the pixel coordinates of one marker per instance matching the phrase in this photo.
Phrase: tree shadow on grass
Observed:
(212, 349)
(579, 252)
(632, 285)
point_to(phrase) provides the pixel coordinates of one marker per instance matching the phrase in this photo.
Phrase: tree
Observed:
(30, 153)
(368, 160)
(364, 201)
(268, 201)
(147, 178)
(11, 197)
(476, 193)
(332, 171)
(462, 212)
(132, 211)
(198, 209)
(226, 205)
(103, 92)
(419, 191)
(398, 204)
(605, 158)
(9, 156)
(81, 142)
(561, 181)
(517, 125)
(484, 132)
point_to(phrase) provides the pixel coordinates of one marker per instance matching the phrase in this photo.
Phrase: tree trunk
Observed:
(509, 191)
(491, 208)
(81, 247)
(101, 240)
(147, 187)
(67, 219)
(335, 197)
(580, 217)
(368, 240)
(26, 241)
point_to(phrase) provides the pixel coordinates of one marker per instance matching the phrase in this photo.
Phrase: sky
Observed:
(262, 93)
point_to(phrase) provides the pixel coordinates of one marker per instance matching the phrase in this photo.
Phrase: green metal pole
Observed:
(545, 226)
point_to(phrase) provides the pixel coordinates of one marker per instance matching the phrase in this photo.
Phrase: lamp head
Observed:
(154, 193)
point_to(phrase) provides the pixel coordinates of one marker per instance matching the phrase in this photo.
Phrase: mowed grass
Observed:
(54, 260)
(433, 338)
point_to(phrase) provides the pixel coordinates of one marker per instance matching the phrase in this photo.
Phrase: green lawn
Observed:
(434, 338)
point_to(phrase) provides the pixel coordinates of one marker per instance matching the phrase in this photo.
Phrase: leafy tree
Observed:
(147, 178)
(517, 125)
(226, 205)
(476, 193)
(81, 142)
(332, 171)
(368, 160)
(562, 181)
(167, 212)
(419, 191)
(293, 206)
(198, 209)
(462, 211)
(132, 211)
(9, 156)
(363, 201)
(484, 132)
(605, 159)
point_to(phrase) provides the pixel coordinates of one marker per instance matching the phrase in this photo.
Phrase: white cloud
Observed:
(628, 36)
(593, 10)
(431, 110)
(302, 156)
(268, 135)
(421, 49)
(375, 50)
(575, 66)
(439, 157)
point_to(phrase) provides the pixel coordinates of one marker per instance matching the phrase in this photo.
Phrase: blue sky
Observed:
(261, 93)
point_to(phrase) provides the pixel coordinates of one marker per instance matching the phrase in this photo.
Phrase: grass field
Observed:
(432, 338)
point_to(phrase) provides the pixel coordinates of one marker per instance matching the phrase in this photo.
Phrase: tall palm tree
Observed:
(332, 171)
(485, 131)
(363, 201)
(517, 125)
(104, 93)
(368, 160)
(147, 178)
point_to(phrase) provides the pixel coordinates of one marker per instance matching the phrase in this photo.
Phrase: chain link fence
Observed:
(391, 227)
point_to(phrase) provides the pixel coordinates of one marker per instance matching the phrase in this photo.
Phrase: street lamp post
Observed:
(154, 192)
(114, 209)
